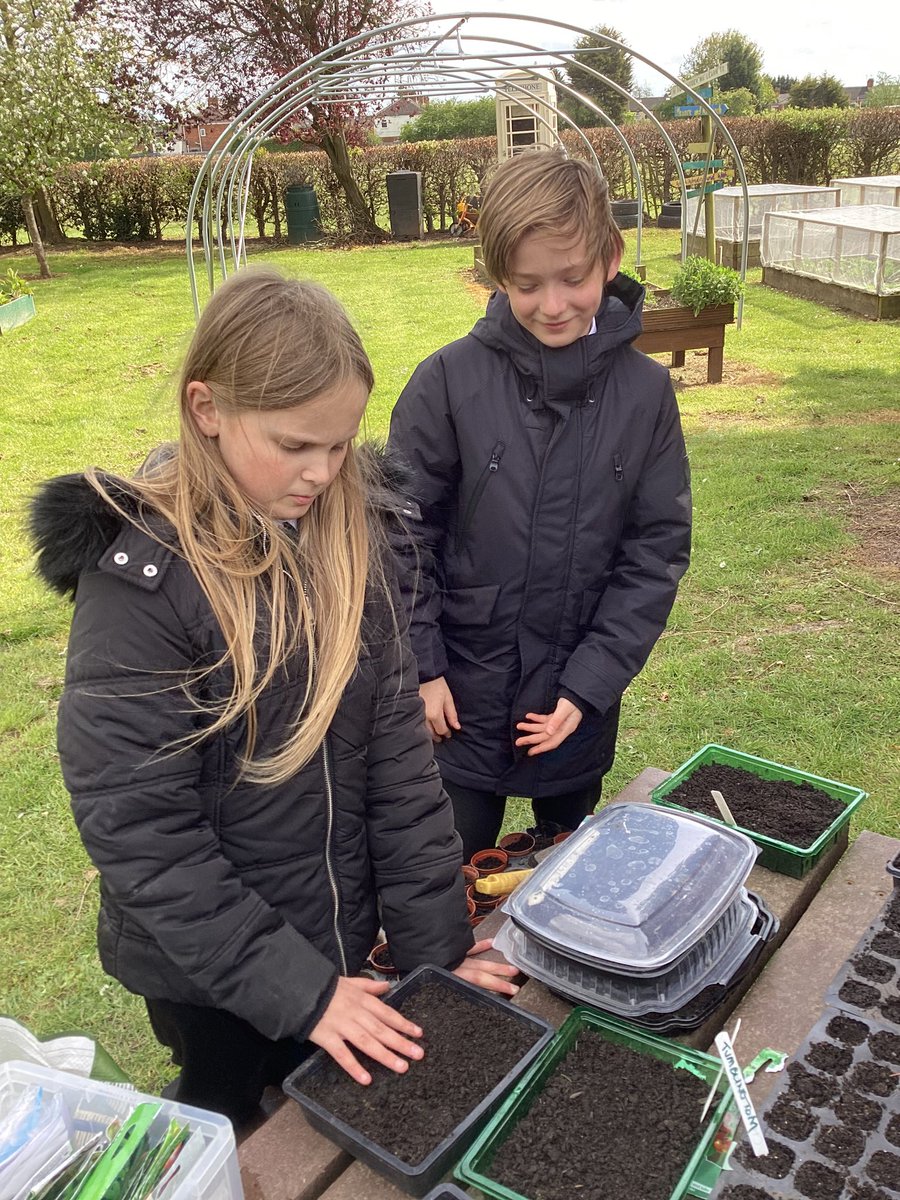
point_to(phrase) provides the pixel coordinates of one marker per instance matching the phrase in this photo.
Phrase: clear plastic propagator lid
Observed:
(636, 885)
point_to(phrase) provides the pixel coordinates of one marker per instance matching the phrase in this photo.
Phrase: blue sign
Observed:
(687, 110)
(720, 107)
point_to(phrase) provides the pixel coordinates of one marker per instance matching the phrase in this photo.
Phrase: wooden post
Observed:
(709, 208)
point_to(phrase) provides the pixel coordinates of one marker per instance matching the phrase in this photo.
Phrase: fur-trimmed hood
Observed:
(71, 525)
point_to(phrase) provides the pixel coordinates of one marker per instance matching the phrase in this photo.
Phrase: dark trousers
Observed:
(478, 815)
(226, 1064)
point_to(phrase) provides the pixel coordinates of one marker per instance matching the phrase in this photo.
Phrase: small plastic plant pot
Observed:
(486, 904)
(471, 908)
(489, 862)
(517, 846)
(470, 873)
(561, 837)
(380, 960)
(477, 919)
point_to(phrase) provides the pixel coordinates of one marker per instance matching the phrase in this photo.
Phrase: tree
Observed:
(744, 60)
(245, 46)
(61, 99)
(445, 119)
(884, 92)
(781, 84)
(819, 91)
(741, 102)
(593, 51)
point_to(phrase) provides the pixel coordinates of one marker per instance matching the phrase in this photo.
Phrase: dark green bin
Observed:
(302, 210)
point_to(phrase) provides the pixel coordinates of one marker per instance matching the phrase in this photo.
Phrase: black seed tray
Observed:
(417, 1180)
(447, 1191)
(893, 869)
(868, 984)
(822, 1104)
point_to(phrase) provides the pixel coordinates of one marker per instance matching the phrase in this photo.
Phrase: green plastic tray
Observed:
(702, 1171)
(776, 856)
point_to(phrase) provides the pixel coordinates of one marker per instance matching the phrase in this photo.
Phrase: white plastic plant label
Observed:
(745, 1108)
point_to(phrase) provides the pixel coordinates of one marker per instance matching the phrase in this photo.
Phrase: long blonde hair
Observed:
(265, 342)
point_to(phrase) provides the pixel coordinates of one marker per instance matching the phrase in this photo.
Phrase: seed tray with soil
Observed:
(832, 1123)
(413, 1127)
(794, 816)
(607, 1111)
(869, 982)
(893, 869)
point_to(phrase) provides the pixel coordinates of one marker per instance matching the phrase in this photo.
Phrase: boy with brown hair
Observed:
(550, 469)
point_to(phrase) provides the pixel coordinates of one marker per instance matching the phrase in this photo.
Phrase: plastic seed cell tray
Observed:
(893, 869)
(832, 1123)
(775, 855)
(869, 982)
(417, 1179)
(447, 1191)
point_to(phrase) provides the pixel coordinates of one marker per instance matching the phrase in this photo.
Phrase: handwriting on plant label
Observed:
(745, 1108)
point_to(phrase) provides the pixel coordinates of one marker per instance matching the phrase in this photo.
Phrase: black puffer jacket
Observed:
(555, 497)
(214, 891)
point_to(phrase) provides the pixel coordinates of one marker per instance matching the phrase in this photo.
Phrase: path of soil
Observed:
(795, 813)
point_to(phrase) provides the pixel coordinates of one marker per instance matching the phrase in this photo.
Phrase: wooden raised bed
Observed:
(676, 329)
(866, 304)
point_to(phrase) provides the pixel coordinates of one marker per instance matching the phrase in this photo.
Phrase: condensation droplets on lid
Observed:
(635, 885)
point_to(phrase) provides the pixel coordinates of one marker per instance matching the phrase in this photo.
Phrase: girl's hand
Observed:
(440, 709)
(490, 975)
(356, 1017)
(548, 730)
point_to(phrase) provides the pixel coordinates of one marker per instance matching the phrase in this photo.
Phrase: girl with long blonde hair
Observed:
(240, 731)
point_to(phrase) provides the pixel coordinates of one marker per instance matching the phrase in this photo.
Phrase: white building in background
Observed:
(390, 121)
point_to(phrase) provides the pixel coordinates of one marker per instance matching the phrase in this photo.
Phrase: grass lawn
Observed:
(783, 641)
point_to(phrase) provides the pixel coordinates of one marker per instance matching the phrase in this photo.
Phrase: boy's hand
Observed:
(356, 1017)
(440, 709)
(486, 973)
(549, 730)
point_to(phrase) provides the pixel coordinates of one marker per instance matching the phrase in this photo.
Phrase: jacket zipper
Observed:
(329, 827)
(491, 469)
(329, 865)
(617, 467)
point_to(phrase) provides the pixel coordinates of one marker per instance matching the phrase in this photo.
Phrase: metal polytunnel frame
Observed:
(348, 72)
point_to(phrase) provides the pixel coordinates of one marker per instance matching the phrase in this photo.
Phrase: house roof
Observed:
(400, 108)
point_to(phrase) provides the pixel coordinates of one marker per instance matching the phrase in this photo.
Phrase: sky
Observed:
(803, 37)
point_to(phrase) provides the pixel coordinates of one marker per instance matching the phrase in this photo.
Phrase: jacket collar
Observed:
(565, 373)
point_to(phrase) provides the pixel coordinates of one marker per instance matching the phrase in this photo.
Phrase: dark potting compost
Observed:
(832, 1122)
(408, 1125)
(609, 1122)
(869, 982)
(795, 813)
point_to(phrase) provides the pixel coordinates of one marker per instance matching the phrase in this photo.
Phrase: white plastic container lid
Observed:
(636, 885)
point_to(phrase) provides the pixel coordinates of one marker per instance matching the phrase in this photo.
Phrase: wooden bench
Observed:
(822, 917)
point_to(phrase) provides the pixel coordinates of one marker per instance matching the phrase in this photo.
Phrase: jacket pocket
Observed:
(470, 605)
(492, 467)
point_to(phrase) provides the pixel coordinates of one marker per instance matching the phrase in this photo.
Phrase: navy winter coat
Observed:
(216, 891)
(555, 496)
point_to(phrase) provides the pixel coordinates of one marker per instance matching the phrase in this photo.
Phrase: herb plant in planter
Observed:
(16, 301)
(693, 315)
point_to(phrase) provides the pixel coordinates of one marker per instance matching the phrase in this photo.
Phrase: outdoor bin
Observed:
(404, 189)
(302, 209)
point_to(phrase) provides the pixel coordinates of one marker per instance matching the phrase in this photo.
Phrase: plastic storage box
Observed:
(209, 1166)
(634, 888)
(702, 1170)
(778, 856)
(419, 1178)
(630, 996)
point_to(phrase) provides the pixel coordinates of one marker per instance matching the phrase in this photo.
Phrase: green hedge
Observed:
(136, 199)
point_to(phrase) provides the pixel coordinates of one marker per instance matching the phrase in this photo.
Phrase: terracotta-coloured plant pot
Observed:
(476, 920)
(470, 873)
(517, 845)
(380, 960)
(470, 906)
(485, 904)
(561, 837)
(489, 862)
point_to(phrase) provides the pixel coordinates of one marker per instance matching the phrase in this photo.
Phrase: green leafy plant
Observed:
(700, 284)
(12, 286)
